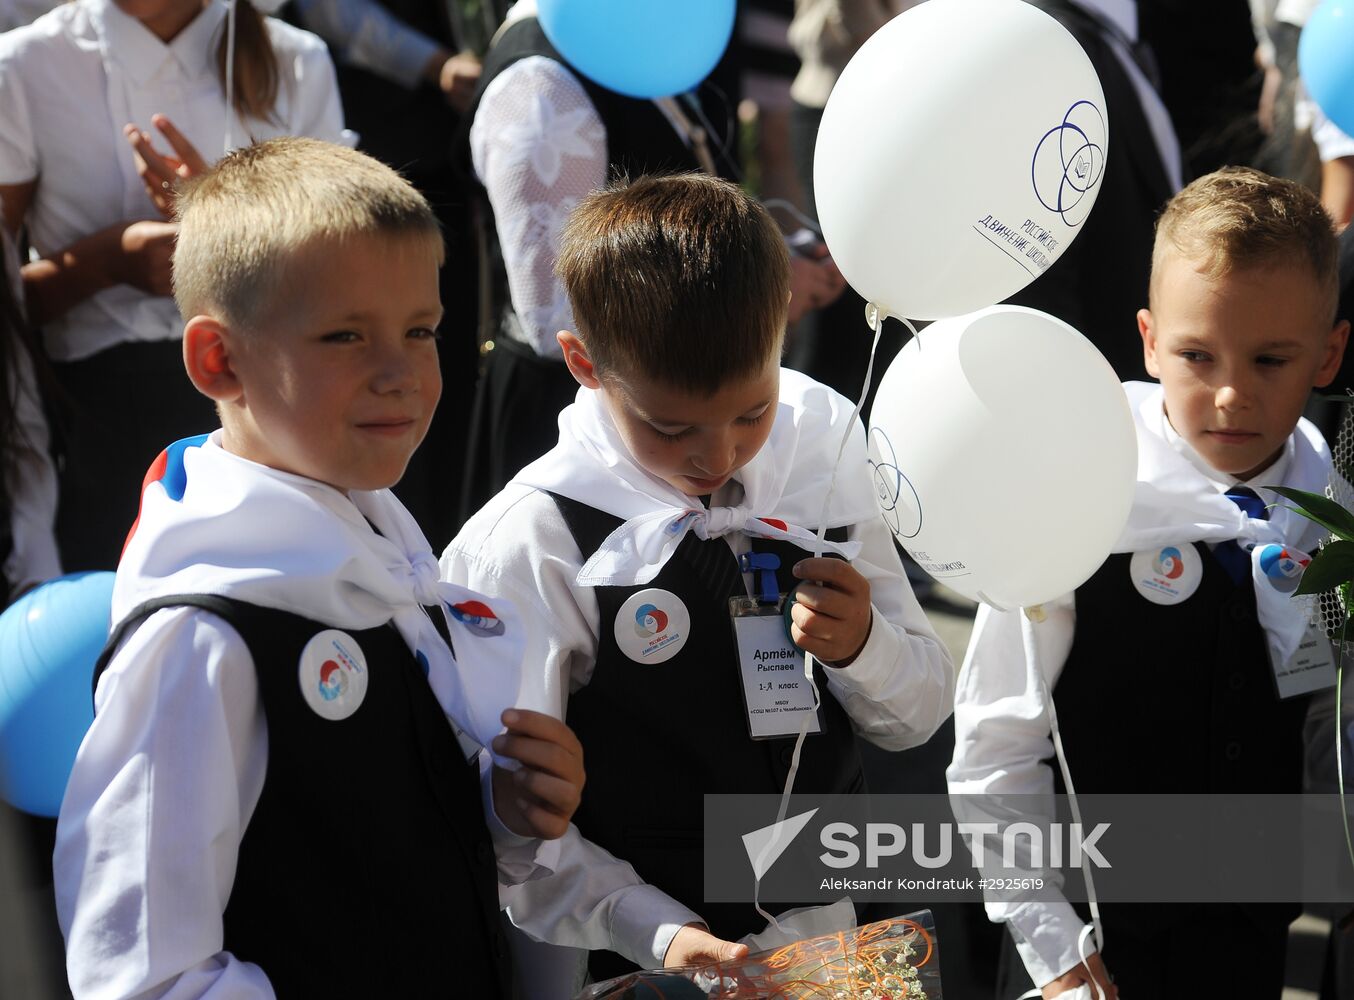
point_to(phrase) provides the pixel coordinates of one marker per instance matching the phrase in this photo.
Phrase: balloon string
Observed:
(877, 323)
(1032, 659)
(230, 72)
(915, 334)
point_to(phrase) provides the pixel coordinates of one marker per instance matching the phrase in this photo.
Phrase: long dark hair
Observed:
(13, 339)
(256, 73)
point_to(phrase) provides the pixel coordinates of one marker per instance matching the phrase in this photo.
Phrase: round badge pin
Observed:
(333, 675)
(1167, 575)
(652, 626)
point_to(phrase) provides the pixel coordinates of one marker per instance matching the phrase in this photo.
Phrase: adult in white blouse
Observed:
(69, 83)
(542, 137)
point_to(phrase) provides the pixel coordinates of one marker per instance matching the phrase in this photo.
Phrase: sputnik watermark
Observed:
(1023, 845)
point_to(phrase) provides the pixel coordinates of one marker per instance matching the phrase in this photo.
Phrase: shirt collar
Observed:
(141, 55)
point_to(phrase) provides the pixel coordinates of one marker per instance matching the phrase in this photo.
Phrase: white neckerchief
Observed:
(252, 533)
(1175, 502)
(784, 485)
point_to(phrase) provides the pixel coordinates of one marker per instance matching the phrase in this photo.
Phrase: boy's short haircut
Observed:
(1238, 218)
(683, 279)
(243, 220)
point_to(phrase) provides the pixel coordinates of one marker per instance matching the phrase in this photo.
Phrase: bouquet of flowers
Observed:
(893, 959)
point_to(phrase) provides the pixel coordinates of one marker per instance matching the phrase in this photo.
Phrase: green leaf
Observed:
(1329, 568)
(1321, 509)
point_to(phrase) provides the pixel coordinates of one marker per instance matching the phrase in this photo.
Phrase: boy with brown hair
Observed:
(285, 790)
(691, 473)
(1176, 668)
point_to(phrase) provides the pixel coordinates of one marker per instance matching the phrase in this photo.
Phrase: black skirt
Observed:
(123, 406)
(516, 418)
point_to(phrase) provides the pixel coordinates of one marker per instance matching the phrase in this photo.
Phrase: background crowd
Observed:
(105, 104)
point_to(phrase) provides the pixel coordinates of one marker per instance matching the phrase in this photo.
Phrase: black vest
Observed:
(658, 737)
(639, 139)
(366, 869)
(1174, 698)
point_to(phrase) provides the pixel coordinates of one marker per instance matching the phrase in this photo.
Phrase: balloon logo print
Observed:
(898, 500)
(1069, 162)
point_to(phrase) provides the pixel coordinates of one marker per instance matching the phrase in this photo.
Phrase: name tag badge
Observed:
(1311, 668)
(776, 692)
(1167, 575)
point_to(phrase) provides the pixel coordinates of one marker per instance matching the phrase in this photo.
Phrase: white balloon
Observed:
(1004, 455)
(960, 151)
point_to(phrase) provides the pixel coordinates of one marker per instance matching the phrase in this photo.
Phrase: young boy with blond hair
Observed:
(690, 476)
(285, 790)
(1176, 668)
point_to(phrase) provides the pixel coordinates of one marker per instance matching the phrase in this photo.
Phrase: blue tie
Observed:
(1234, 559)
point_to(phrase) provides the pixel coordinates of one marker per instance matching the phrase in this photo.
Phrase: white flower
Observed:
(545, 135)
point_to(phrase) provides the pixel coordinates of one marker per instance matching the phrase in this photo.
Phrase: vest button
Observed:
(1240, 613)
(485, 851)
(787, 754)
(1236, 682)
(1233, 750)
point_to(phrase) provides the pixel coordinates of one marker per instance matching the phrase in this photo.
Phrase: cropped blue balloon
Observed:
(1326, 61)
(49, 641)
(642, 48)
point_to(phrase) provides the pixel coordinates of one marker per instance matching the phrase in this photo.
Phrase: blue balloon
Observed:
(641, 48)
(1326, 61)
(49, 641)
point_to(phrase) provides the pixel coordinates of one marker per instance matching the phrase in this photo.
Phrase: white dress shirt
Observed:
(71, 80)
(538, 146)
(171, 770)
(1002, 734)
(897, 691)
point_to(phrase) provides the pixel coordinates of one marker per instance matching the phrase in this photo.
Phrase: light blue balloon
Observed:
(49, 641)
(641, 48)
(1326, 61)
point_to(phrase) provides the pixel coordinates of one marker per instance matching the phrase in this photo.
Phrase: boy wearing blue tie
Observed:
(1176, 668)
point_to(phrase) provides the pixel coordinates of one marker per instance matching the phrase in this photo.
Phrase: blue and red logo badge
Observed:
(1169, 563)
(333, 682)
(478, 617)
(1283, 567)
(649, 620)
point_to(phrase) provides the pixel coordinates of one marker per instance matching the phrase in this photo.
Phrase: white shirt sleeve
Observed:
(18, 146)
(1331, 142)
(33, 556)
(593, 900)
(148, 838)
(368, 36)
(596, 901)
(1002, 743)
(538, 146)
(900, 688)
